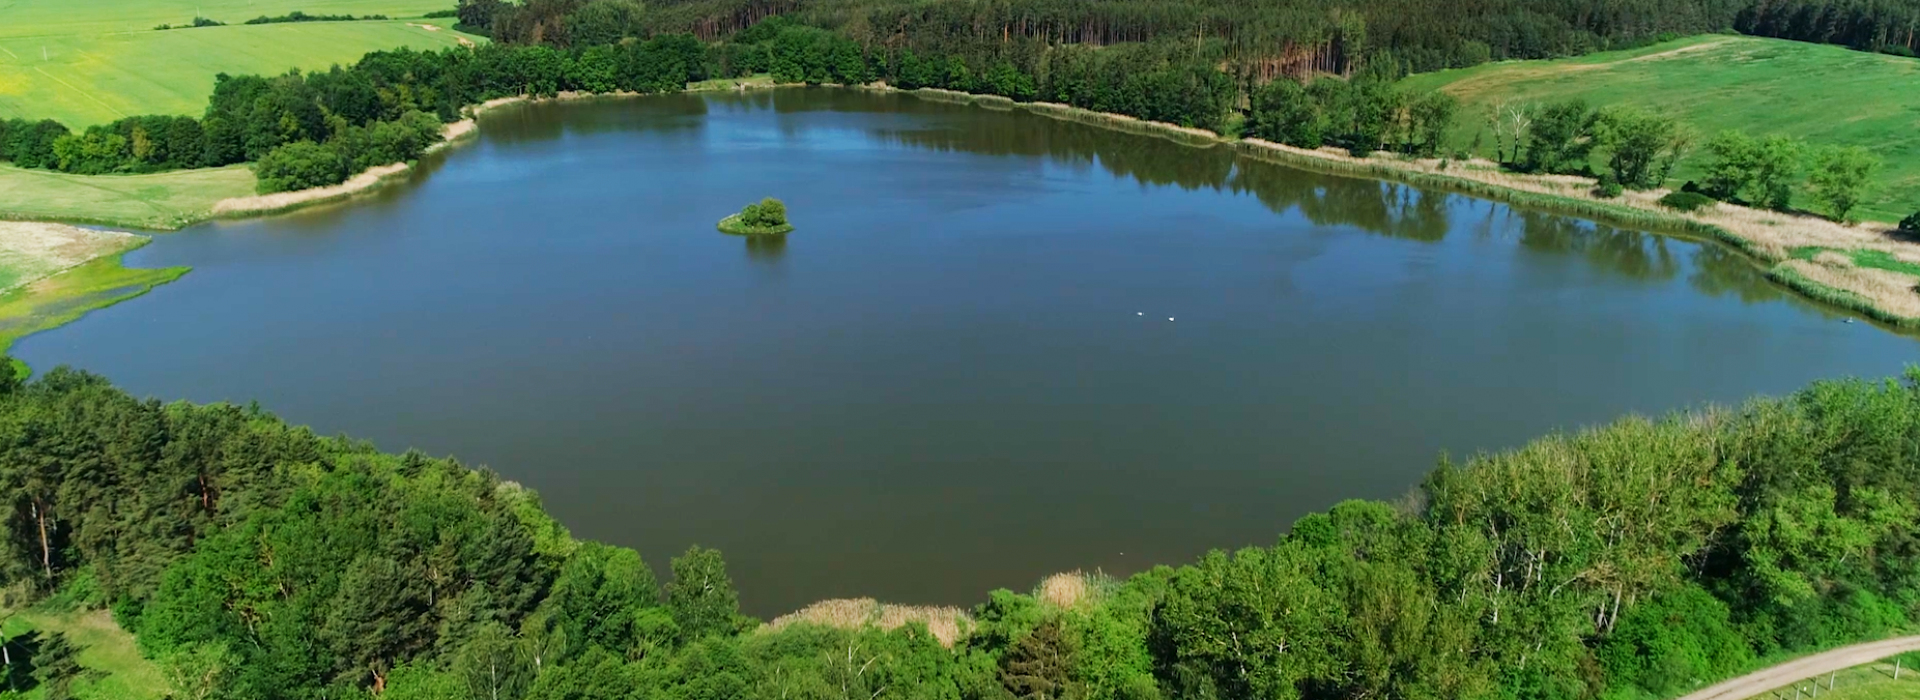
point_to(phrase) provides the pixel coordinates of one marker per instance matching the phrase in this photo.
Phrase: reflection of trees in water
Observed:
(1718, 271)
(1634, 255)
(1386, 208)
(1146, 160)
(766, 248)
(551, 120)
(1391, 209)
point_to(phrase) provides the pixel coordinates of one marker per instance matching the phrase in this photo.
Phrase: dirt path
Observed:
(1761, 681)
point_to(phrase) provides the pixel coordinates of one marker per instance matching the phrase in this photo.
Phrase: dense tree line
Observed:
(1868, 25)
(1363, 116)
(254, 559)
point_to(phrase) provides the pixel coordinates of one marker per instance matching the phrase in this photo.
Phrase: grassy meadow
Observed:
(85, 79)
(160, 201)
(1825, 94)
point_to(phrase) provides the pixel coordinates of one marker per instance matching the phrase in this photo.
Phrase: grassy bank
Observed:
(1828, 95)
(68, 295)
(161, 201)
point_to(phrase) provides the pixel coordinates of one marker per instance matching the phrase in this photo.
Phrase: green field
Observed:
(1825, 94)
(84, 79)
(159, 201)
(68, 17)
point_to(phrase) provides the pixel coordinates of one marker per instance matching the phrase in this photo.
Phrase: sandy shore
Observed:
(31, 250)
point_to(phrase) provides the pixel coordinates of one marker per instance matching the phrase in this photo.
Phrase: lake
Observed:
(997, 346)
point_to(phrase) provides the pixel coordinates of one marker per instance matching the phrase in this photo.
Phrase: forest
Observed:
(254, 559)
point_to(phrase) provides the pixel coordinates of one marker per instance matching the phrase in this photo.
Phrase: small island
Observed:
(764, 218)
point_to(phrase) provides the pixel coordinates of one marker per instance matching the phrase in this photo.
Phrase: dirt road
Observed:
(1804, 668)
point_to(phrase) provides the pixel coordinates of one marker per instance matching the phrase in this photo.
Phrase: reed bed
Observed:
(946, 624)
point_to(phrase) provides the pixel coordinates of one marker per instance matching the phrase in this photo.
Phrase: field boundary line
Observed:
(83, 93)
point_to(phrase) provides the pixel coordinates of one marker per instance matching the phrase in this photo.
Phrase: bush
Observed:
(1609, 187)
(298, 166)
(1686, 201)
(1911, 224)
(1673, 642)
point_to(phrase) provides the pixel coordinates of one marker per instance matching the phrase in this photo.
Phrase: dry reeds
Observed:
(1065, 590)
(946, 624)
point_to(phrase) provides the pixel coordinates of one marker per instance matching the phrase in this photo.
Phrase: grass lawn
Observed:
(103, 646)
(1825, 94)
(87, 79)
(157, 201)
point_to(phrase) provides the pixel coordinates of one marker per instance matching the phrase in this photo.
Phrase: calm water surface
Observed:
(998, 346)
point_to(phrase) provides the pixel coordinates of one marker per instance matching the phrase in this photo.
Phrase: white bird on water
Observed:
(1169, 318)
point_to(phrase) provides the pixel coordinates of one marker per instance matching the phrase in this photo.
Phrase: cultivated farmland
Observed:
(94, 62)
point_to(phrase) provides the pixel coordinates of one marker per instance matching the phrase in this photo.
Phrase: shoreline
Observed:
(1811, 257)
(1769, 240)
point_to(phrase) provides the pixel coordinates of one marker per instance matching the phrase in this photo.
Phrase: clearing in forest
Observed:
(94, 62)
(1828, 95)
(121, 673)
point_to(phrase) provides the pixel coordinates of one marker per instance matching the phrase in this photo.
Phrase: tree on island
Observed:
(767, 216)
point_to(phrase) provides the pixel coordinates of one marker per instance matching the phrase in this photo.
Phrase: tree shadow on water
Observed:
(766, 248)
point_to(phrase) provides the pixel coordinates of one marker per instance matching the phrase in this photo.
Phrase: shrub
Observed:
(1686, 201)
(1911, 224)
(1609, 186)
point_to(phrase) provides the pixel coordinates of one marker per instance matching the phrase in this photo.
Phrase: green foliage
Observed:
(1561, 137)
(1038, 667)
(1911, 223)
(1761, 171)
(1686, 201)
(766, 213)
(298, 166)
(597, 595)
(1284, 112)
(1675, 642)
(701, 597)
(767, 216)
(1363, 116)
(1839, 178)
(1609, 186)
(1641, 146)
